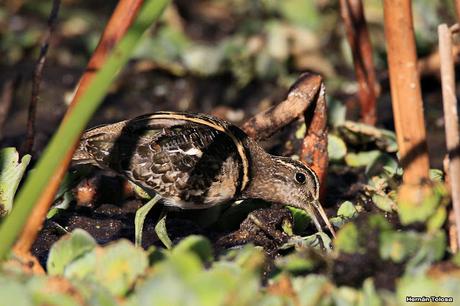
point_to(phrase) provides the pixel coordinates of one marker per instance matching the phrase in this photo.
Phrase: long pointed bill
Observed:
(312, 212)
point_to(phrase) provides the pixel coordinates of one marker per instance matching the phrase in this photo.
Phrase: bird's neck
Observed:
(261, 168)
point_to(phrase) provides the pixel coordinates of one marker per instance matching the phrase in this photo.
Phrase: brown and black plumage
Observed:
(195, 161)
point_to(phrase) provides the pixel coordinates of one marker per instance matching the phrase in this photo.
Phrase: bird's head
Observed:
(290, 182)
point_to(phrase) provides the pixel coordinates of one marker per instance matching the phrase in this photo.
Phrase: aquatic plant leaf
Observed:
(347, 239)
(119, 265)
(384, 202)
(14, 293)
(336, 148)
(359, 133)
(11, 173)
(313, 290)
(419, 204)
(362, 159)
(347, 210)
(301, 219)
(67, 249)
(398, 246)
(336, 112)
(198, 245)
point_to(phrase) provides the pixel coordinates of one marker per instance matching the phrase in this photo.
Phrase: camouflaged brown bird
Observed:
(196, 161)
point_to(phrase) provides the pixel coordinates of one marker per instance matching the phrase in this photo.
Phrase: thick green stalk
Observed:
(71, 128)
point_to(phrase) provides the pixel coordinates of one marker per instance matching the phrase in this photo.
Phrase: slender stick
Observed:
(358, 37)
(457, 8)
(119, 22)
(449, 99)
(406, 94)
(37, 78)
(314, 147)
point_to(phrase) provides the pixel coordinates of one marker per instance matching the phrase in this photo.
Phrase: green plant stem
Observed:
(71, 128)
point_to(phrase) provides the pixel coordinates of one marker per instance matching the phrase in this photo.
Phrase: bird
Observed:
(197, 161)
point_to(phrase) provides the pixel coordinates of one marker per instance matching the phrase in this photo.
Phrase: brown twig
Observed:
(457, 8)
(314, 148)
(405, 90)
(119, 22)
(431, 64)
(308, 90)
(37, 78)
(358, 37)
(6, 100)
(451, 118)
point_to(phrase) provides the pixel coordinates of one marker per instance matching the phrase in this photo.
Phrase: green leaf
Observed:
(437, 220)
(313, 290)
(428, 202)
(14, 293)
(336, 112)
(347, 240)
(370, 296)
(296, 264)
(336, 148)
(39, 287)
(162, 231)
(141, 214)
(345, 296)
(398, 246)
(197, 245)
(362, 159)
(68, 249)
(95, 294)
(319, 241)
(384, 163)
(11, 172)
(169, 282)
(119, 265)
(347, 210)
(301, 12)
(359, 133)
(301, 219)
(432, 248)
(384, 202)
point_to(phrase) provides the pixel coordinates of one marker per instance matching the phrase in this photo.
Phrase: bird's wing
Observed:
(185, 161)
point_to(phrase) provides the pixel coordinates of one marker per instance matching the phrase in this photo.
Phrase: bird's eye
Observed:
(300, 178)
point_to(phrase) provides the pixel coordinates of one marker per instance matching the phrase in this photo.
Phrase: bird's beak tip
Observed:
(317, 206)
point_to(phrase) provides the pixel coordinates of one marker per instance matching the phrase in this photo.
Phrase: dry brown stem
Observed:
(457, 8)
(358, 37)
(405, 90)
(119, 22)
(314, 148)
(451, 118)
(37, 79)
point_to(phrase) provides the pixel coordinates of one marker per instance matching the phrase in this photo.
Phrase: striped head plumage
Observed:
(196, 161)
